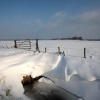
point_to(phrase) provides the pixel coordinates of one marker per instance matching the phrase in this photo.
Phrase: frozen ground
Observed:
(71, 72)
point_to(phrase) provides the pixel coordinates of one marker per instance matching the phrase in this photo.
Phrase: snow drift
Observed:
(71, 72)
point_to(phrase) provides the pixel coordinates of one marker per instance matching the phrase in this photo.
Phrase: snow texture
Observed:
(71, 72)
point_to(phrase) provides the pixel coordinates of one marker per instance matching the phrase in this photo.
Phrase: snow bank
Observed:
(71, 72)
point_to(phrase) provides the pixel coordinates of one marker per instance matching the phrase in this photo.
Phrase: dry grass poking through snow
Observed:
(27, 80)
(6, 92)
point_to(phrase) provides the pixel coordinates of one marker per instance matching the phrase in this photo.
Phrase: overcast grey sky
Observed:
(46, 19)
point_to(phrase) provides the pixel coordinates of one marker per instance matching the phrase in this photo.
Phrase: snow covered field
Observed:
(71, 72)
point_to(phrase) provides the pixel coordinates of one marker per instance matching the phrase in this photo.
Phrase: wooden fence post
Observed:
(59, 50)
(30, 44)
(15, 44)
(37, 47)
(45, 50)
(63, 53)
(84, 52)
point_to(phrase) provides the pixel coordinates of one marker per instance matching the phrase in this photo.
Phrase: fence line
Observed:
(30, 44)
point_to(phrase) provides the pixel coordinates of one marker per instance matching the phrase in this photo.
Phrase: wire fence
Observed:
(49, 47)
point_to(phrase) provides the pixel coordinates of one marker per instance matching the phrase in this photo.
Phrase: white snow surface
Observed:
(71, 72)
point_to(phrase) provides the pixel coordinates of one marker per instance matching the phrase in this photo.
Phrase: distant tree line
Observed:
(73, 38)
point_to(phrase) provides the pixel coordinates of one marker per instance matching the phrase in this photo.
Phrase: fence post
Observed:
(30, 44)
(59, 50)
(37, 47)
(45, 50)
(15, 44)
(84, 52)
(63, 53)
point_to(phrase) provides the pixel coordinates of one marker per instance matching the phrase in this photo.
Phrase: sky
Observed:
(47, 19)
